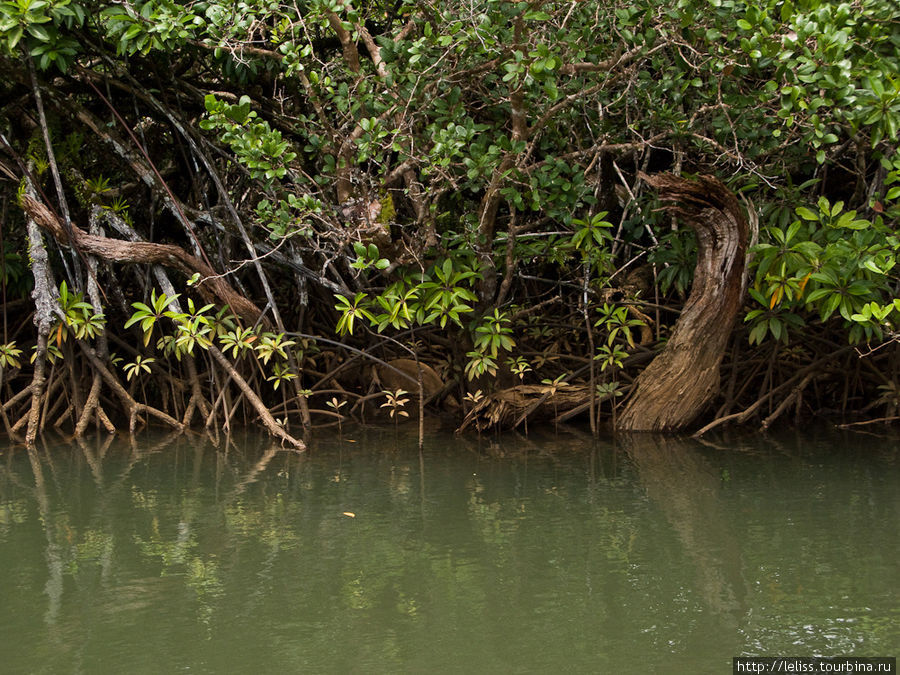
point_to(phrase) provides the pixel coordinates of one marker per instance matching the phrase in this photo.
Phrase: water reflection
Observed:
(54, 586)
(515, 553)
(687, 489)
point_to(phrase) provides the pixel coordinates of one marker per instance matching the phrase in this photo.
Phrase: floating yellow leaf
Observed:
(349, 514)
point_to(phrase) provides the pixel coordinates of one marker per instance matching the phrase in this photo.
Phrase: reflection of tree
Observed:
(69, 547)
(686, 489)
(54, 587)
(95, 459)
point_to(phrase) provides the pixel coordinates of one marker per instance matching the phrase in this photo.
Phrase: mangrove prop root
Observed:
(64, 416)
(795, 395)
(197, 399)
(5, 418)
(132, 406)
(22, 421)
(268, 421)
(16, 398)
(739, 417)
(91, 406)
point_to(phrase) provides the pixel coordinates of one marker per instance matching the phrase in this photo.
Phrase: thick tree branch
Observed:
(212, 286)
(351, 54)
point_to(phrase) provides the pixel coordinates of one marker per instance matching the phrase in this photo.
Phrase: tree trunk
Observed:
(678, 385)
(44, 304)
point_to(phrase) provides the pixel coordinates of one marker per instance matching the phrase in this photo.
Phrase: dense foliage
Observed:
(428, 170)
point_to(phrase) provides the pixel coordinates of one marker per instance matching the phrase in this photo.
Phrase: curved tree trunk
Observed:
(676, 387)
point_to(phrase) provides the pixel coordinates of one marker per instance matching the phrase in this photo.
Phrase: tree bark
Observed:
(678, 385)
(44, 304)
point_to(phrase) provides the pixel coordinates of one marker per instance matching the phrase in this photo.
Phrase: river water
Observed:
(551, 553)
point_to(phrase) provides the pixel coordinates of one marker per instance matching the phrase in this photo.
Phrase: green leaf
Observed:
(806, 214)
(758, 333)
(870, 265)
(859, 287)
(132, 32)
(13, 38)
(39, 32)
(846, 309)
(830, 305)
(818, 294)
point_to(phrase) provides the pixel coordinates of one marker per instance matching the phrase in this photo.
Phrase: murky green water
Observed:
(549, 554)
